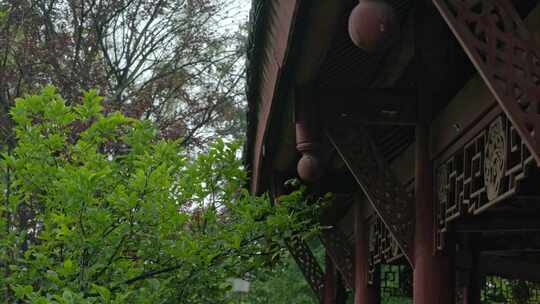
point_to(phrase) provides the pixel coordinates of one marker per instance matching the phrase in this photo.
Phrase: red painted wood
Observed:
(282, 13)
(505, 56)
(363, 293)
(329, 293)
(431, 273)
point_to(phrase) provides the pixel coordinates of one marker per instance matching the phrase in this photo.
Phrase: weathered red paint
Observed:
(330, 281)
(309, 167)
(373, 25)
(505, 56)
(363, 293)
(431, 272)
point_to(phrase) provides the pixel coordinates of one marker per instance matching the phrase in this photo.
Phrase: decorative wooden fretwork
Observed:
(383, 247)
(395, 284)
(308, 264)
(482, 173)
(500, 290)
(498, 43)
(340, 252)
(389, 198)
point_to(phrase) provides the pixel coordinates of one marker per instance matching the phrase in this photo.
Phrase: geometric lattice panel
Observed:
(501, 290)
(484, 172)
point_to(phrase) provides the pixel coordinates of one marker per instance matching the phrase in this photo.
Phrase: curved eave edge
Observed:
(257, 23)
(258, 43)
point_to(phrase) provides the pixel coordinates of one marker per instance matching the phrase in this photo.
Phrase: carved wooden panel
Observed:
(482, 173)
(340, 252)
(499, 45)
(308, 264)
(382, 189)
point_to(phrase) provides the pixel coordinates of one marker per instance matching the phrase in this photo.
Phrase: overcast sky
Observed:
(238, 11)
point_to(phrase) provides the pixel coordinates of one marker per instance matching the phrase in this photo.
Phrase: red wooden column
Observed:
(330, 282)
(431, 277)
(431, 273)
(363, 292)
(473, 290)
(334, 290)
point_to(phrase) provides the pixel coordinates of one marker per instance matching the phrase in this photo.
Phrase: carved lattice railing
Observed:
(308, 264)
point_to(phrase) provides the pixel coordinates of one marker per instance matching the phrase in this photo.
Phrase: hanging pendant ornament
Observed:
(373, 25)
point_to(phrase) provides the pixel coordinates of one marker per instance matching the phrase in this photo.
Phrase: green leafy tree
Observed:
(175, 62)
(97, 209)
(285, 283)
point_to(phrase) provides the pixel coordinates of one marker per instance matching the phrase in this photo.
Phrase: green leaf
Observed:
(103, 292)
(68, 267)
(22, 291)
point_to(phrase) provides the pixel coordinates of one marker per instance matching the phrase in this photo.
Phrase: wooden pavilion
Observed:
(423, 119)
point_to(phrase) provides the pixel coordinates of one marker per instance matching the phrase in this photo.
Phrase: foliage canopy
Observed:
(97, 209)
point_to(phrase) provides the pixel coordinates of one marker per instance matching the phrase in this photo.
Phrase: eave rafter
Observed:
(369, 106)
(496, 40)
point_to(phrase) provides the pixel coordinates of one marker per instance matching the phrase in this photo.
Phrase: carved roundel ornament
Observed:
(495, 158)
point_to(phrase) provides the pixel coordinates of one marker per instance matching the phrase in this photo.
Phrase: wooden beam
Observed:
(498, 224)
(510, 242)
(510, 268)
(368, 106)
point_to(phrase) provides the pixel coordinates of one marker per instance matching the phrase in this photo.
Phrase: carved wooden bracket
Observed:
(385, 193)
(308, 264)
(498, 43)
